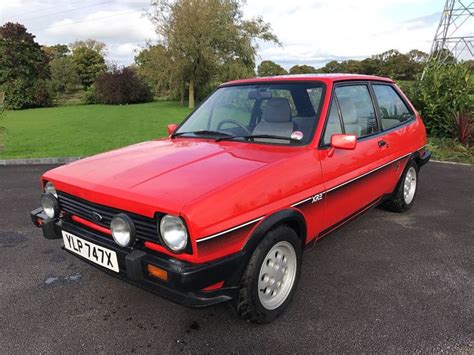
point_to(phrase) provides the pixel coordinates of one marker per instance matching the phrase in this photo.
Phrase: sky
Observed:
(312, 32)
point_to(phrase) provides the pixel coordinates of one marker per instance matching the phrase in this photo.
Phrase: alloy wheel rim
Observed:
(409, 186)
(277, 275)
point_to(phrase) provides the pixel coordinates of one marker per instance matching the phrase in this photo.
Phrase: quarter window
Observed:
(357, 110)
(333, 126)
(393, 110)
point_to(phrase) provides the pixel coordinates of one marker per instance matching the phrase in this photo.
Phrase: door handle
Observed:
(382, 144)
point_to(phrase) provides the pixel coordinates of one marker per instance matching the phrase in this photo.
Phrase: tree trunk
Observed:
(182, 90)
(191, 93)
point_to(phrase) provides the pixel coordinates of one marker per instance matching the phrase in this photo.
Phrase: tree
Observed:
(64, 77)
(56, 51)
(332, 67)
(23, 68)
(302, 69)
(203, 36)
(88, 58)
(91, 44)
(155, 66)
(269, 68)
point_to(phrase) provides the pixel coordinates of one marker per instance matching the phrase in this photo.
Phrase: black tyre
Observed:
(404, 195)
(271, 276)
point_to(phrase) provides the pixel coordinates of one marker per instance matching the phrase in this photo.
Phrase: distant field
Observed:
(84, 130)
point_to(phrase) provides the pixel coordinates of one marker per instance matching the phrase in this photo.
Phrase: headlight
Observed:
(173, 232)
(50, 189)
(50, 205)
(123, 230)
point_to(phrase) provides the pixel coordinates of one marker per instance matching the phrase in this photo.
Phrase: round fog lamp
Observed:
(50, 205)
(174, 233)
(123, 230)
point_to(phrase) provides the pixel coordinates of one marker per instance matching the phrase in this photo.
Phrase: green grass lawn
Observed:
(84, 130)
(449, 150)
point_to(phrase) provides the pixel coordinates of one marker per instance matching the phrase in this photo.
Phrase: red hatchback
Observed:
(223, 208)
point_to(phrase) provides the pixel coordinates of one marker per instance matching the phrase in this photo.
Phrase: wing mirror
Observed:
(171, 128)
(342, 141)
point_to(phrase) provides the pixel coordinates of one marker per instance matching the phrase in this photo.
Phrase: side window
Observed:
(333, 126)
(393, 110)
(357, 110)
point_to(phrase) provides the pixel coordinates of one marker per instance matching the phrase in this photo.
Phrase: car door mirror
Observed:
(171, 128)
(342, 141)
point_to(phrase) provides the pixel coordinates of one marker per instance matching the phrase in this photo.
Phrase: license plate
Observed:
(95, 253)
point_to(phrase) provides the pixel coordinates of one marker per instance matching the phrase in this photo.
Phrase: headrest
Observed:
(277, 110)
(348, 110)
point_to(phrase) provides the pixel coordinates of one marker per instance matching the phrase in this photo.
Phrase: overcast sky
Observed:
(311, 31)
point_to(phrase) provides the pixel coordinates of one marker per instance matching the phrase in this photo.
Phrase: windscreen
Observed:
(265, 113)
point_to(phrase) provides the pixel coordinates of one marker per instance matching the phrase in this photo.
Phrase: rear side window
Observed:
(357, 110)
(393, 111)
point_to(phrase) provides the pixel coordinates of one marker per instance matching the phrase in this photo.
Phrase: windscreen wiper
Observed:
(203, 132)
(252, 136)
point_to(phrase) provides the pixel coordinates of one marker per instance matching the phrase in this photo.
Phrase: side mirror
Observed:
(171, 128)
(342, 141)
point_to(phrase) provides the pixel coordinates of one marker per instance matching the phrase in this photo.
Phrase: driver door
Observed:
(350, 184)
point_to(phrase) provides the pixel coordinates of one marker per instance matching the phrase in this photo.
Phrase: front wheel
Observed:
(272, 274)
(404, 195)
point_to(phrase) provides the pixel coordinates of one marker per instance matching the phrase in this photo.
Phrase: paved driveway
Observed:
(384, 283)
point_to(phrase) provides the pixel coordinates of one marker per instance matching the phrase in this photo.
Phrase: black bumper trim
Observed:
(425, 157)
(185, 280)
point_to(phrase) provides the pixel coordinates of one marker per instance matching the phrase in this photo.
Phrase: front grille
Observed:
(144, 226)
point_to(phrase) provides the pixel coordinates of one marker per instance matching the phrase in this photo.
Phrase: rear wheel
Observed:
(404, 195)
(272, 274)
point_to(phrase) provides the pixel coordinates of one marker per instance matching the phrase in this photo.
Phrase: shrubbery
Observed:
(443, 92)
(121, 86)
(90, 95)
(22, 94)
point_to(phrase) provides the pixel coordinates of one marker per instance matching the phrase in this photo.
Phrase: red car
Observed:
(223, 208)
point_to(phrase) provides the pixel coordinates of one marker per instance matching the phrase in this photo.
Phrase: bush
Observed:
(20, 94)
(90, 95)
(439, 93)
(464, 127)
(122, 86)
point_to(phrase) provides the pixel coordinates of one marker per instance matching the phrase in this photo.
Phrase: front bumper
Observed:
(186, 281)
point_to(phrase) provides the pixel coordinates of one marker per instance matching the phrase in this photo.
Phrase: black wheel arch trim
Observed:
(289, 216)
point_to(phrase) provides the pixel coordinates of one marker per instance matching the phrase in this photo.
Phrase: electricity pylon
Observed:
(455, 33)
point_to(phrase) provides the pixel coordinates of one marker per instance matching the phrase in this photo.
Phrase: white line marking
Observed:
(229, 230)
(352, 180)
(450, 162)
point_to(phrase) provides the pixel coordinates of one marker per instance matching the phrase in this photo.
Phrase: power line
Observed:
(55, 7)
(64, 11)
(88, 20)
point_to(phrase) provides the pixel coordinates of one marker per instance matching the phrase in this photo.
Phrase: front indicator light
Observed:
(50, 189)
(50, 205)
(123, 230)
(174, 233)
(157, 272)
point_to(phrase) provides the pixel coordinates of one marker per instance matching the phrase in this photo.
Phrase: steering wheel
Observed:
(234, 122)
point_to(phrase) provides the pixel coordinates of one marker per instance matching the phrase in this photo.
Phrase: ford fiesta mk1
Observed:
(223, 208)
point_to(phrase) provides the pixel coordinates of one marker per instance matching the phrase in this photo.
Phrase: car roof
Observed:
(308, 77)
